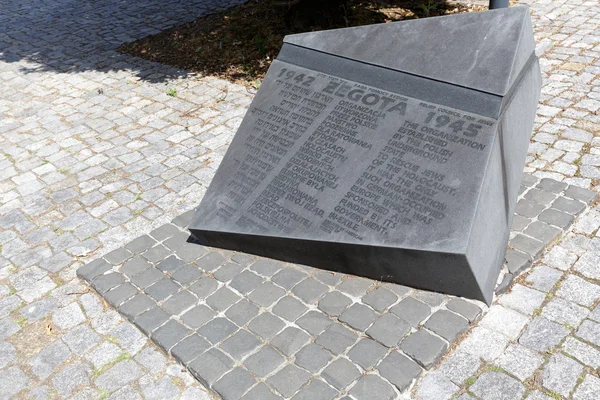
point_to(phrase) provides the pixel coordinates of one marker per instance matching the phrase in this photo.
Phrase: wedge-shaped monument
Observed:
(390, 151)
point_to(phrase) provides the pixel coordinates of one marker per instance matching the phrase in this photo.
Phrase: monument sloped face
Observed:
(364, 153)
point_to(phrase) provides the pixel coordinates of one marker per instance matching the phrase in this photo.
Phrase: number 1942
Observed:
(300, 79)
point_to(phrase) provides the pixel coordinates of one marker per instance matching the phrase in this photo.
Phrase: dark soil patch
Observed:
(239, 44)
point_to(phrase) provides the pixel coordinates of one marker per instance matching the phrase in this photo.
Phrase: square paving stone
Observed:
(334, 303)
(222, 299)
(590, 332)
(266, 325)
(266, 268)
(556, 218)
(204, 287)
(136, 305)
(399, 369)
(151, 319)
(542, 231)
(264, 361)
(162, 289)
(170, 334)
(93, 269)
(388, 330)
(289, 308)
(367, 353)
(217, 329)
(240, 344)
(147, 278)
(140, 244)
(179, 302)
(372, 387)
(288, 380)
(157, 253)
(242, 312)
(447, 324)
(119, 294)
(354, 286)
(313, 357)
(234, 384)
(468, 310)
(198, 316)
(587, 196)
(177, 240)
(266, 294)
(424, 348)
(490, 384)
(314, 322)
(288, 277)
(528, 208)
(242, 259)
(118, 256)
(170, 264)
(411, 310)
(517, 261)
(190, 348)
(380, 298)
(569, 206)
(187, 274)
(542, 334)
(358, 316)
(551, 185)
(336, 338)
(290, 340)
(527, 245)
(210, 366)
(210, 261)
(227, 272)
(164, 232)
(316, 389)
(246, 282)
(135, 266)
(341, 373)
(105, 282)
(540, 196)
(189, 252)
(519, 361)
(261, 392)
(310, 290)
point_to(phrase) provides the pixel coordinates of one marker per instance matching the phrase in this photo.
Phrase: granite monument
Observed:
(391, 151)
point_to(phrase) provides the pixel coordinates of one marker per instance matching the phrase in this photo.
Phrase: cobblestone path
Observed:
(94, 153)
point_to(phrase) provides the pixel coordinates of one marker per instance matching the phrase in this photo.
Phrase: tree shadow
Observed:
(74, 36)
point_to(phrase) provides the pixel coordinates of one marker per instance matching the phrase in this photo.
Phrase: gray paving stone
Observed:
(341, 373)
(170, 334)
(588, 389)
(234, 384)
(290, 340)
(164, 232)
(380, 298)
(118, 256)
(149, 320)
(517, 261)
(523, 299)
(266, 268)
(179, 302)
(551, 185)
(189, 348)
(68, 317)
(314, 322)
(336, 338)
(367, 353)
(411, 311)
(560, 374)
(569, 206)
(240, 344)
(119, 294)
(227, 272)
(436, 386)
(217, 329)
(93, 269)
(590, 332)
(527, 245)
(505, 321)
(147, 278)
(162, 289)
(288, 380)
(210, 261)
(528, 208)
(210, 366)
(557, 218)
(222, 299)
(136, 305)
(388, 330)
(81, 339)
(190, 252)
(106, 282)
(246, 282)
(264, 361)
(204, 287)
(135, 266)
(157, 253)
(138, 245)
(242, 312)
(497, 386)
(581, 351)
(564, 312)
(354, 286)
(459, 366)
(266, 294)
(372, 387)
(187, 274)
(399, 370)
(316, 389)
(288, 277)
(170, 264)
(313, 357)
(129, 338)
(587, 196)
(198, 316)
(260, 392)
(540, 196)
(289, 308)
(424, 348)
(519, 361)
(119, 375)
(46, 361)
(543, 232)
(578, 290)
(71, 377)
(358, 316)
(447, 324)
(334, 303)
(177, 240)
(104, 354)
(161, 389)
(542, 334)
(310, 290)
(543, 278)
(468, 310)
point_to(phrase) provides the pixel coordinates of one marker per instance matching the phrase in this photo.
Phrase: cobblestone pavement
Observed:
(255, 328)
(94, 153)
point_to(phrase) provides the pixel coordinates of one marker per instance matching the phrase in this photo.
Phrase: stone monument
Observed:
(391, 151)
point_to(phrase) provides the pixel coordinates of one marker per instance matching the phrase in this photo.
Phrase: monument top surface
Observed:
(485, 51)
